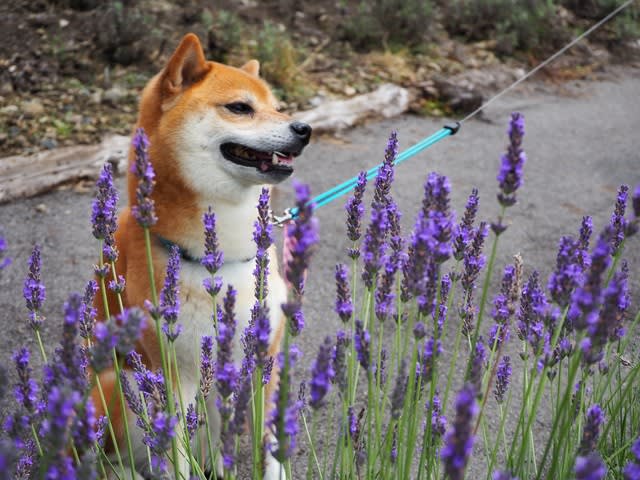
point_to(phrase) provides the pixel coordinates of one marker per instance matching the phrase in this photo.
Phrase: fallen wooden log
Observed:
(28, 176)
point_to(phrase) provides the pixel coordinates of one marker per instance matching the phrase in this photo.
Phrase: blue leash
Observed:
(347, 186)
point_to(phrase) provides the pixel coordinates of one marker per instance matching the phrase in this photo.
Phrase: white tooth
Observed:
(275, 158)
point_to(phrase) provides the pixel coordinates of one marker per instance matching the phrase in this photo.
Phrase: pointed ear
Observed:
(252, 67)
(186, 66)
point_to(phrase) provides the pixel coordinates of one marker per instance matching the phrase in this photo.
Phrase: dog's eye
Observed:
(239, 108)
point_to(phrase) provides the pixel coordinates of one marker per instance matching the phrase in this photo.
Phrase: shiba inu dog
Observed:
(216, 138)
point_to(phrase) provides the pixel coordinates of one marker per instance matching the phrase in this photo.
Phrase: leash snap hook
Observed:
(280, 220)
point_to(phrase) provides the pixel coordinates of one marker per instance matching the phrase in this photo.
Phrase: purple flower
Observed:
(477, 362)
(399, 390)
(438, 421)
(632, 470)
(355, 211)
(301, 236)
(472, 264)
(121, 333)
(432, 349)
(419, 330)
(322, 374)
(206, 365)
(635, 202)
(618, 223)
(587, 297)
(590, 467)
(191, 420)
(503, 376)
(429, 245)
(170, 296)
(26, 389)
(384, 176)
(458, 441)
(463, 232)
(435, 208)
(531, 316)
(226, 371)
(393, 456)
(60, 410)
(608, 325)
(591, 432)
(103, 213)
(89, 312)
(34, 291)
(338, 360)
(503, 308)
(263, 238)
(344, 307)
(568, 272)
(144, 209)
(158, 436)
(362, 344)
(284, 419)
(384, 295)
(213, 256)
(4, 261)
(510, 175)
(473, 259)
(374, 245)
(503, 475)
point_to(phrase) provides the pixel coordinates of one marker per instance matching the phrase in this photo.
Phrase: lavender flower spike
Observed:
(263, 239)
(103, 213)
(362, 341)
(384, 177)
(590, 467)
(4, 261)
(301, 236)
(355, 211)
(322, 374)
(594, 420)
(510, 175)
(458, 441)
(144, 209)
(463, 232)
(284, 419)
(503, 375)
(34, 291)
(226, 370)
(632, 470)
(618, 223)
(344, 307)
(170, 296)
(213, 256)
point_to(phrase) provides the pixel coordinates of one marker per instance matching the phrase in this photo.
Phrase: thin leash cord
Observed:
(449, 130)
(550, 59)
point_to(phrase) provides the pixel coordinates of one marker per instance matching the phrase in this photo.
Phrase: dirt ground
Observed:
(72, 75)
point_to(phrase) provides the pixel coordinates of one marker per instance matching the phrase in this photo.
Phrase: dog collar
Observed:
(186, 256)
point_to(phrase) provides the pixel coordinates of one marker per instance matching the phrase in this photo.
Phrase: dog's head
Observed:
(219, 124)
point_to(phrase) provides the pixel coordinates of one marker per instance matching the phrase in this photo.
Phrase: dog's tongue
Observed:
(264, 166)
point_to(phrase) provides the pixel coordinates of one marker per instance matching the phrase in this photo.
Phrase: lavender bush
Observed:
(397, 409)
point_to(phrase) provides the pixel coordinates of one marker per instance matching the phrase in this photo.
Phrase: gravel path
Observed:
(581, 146)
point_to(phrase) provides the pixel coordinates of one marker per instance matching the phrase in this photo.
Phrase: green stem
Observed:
(125, 421)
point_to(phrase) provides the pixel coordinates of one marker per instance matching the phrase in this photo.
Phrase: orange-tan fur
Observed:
(176, 109)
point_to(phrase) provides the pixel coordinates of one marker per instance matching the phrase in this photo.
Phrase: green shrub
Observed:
(514, 24)
(225, 31)
(388, 24)
(122, 32)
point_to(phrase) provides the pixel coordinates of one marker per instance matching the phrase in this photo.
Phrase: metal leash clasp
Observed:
(280, 220)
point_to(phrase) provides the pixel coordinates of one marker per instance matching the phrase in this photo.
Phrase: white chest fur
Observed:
(196, 308)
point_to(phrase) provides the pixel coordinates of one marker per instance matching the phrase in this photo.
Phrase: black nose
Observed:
(302, 130)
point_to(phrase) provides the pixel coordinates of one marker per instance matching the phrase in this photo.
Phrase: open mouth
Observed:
(280, 163)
